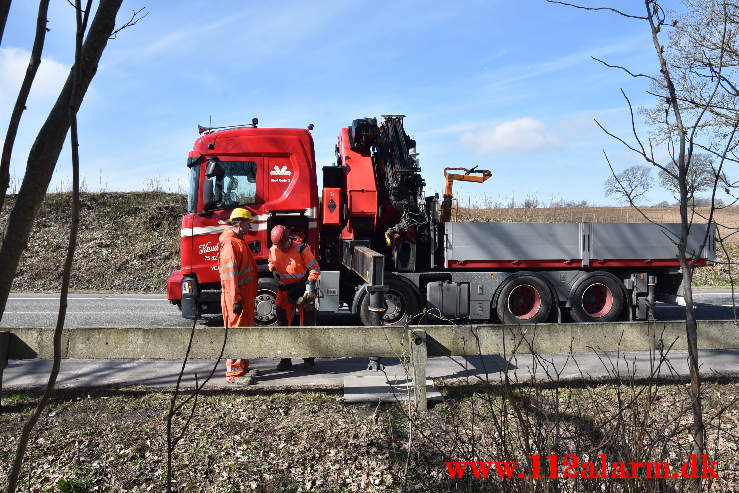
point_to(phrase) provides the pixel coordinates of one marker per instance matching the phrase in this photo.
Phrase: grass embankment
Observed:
(238, 441)
(130, 241)
(127, 242)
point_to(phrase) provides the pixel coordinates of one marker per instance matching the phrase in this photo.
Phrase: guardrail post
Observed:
(419, 355)
(4, 343)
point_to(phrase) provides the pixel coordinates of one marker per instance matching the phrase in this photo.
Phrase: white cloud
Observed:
(520, 135)
(49, 80)
(13, 64)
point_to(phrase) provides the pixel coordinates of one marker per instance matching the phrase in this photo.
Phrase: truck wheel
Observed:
(265, 304)
(525, 299)
(401, 302)
(599, 298)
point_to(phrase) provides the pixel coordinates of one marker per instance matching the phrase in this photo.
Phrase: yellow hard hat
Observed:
(239, 214)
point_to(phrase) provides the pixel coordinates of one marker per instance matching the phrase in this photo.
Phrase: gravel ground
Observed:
(312, 441)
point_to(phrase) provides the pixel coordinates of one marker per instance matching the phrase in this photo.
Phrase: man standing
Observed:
(296, 269)
(239, 280)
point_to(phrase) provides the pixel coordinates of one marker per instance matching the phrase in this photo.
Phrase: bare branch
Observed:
(625, 70)
(20, 104)
(720, 156)
(132, 21)
(582, 7)
(4, 9)
(629, 146)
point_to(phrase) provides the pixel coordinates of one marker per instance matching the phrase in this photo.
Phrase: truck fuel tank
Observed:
(451, 299)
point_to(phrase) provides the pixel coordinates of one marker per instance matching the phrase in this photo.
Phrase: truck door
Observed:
(237, 186)
(279, 174)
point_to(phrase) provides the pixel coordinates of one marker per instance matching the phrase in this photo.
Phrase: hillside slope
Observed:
(129, 241)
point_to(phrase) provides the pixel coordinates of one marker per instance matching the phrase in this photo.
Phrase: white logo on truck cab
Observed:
(208, 248)
(280, 171)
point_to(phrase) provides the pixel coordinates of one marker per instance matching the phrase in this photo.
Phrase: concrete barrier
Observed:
(416, 342)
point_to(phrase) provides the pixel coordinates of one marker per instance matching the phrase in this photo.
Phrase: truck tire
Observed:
(265, 304)
(525, 299)
(598, 298)
(401, 302)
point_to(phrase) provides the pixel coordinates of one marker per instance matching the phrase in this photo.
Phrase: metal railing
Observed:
(415, 342)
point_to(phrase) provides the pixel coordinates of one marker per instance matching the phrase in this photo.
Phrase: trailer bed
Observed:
(486, 245)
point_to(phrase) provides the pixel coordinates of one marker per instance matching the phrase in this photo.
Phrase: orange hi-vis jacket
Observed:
(294, 265)
(239, 279)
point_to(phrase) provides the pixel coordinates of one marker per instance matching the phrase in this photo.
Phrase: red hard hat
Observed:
(278, 234)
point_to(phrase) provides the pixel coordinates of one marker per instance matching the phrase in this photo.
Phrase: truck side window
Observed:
(238, 185)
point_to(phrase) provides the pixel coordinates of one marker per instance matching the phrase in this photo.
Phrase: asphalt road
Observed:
(126, 310)
(153, 310)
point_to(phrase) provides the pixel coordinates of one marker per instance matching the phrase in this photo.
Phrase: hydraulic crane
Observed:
(471, 175)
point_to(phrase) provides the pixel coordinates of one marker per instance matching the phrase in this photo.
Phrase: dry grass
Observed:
(247, 441)
(728, 218)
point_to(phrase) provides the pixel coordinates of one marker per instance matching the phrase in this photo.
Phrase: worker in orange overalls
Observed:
(239, 280)
(296, 269)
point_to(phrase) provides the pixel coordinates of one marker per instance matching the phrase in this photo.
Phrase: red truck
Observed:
(389, 252)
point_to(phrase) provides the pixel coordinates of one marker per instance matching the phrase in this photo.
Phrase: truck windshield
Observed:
(238, 185)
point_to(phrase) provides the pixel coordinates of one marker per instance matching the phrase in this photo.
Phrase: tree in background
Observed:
(695, 110)
(631, 185)
(702, 175)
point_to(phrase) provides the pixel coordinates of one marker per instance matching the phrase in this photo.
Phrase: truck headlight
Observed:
(187, 286)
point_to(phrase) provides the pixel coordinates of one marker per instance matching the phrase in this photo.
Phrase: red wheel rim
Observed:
(597, 300)
(524, 301)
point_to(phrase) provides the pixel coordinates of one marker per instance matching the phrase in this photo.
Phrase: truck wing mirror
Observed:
(215, 168)
(208, 196)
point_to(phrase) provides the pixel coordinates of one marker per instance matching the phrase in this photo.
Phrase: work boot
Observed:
(235, 369)
(309, 365)
(284, 364)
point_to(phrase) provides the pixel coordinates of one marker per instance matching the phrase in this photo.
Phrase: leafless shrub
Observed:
(506, 415)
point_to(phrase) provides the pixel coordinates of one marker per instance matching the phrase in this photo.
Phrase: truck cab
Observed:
(272, 173)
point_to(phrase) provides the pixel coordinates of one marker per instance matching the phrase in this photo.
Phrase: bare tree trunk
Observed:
(68, 261)
(20, 103)
(683, 161)
(47, 147)
(4, 9)
(691, 324)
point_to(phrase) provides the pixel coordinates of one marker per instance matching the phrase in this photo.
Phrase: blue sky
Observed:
(508, 86)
